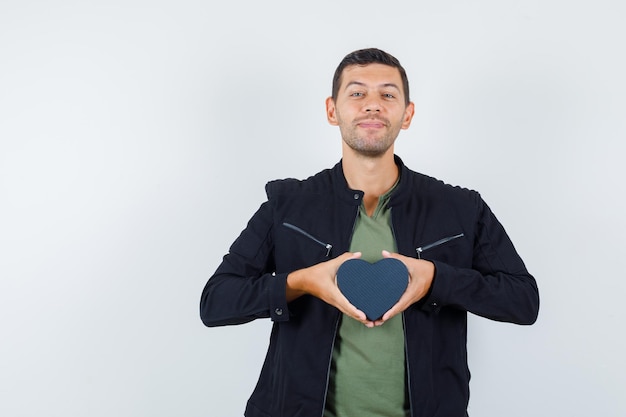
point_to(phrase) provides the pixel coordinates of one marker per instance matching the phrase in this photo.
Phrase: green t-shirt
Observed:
(367, 376)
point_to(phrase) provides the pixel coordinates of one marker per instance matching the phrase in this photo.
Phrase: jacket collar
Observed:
(355, 197)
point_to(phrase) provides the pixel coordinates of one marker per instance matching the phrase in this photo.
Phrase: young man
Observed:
(325, 357)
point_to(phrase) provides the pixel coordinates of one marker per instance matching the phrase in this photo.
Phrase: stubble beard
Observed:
(371, 147)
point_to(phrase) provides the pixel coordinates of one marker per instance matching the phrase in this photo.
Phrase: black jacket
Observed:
(477, 270)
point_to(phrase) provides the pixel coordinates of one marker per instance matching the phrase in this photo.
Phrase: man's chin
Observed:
(369, 148)
(374, 154)
(370, 152)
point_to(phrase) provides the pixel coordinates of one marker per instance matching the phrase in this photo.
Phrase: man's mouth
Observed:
(371, 124)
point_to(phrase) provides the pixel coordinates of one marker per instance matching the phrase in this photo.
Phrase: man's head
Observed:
(365, 57)
(370, 102)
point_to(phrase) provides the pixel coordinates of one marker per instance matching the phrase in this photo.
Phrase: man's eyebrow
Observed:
(393, 85)
(384, 85)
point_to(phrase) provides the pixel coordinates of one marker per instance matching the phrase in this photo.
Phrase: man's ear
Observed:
(331, 111)
(408, 115)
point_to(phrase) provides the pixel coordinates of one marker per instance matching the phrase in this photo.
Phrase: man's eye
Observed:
(389, 95)
(356, 94)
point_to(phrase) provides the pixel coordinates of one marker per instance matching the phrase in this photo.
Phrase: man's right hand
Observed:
(320, 281)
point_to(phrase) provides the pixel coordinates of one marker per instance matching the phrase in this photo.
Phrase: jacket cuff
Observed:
(439, 290)
(278, 298)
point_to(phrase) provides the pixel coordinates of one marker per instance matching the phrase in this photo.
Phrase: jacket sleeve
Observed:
(497, 286)
(244, 287)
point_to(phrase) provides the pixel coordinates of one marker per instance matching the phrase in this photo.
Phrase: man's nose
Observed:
(372, 105)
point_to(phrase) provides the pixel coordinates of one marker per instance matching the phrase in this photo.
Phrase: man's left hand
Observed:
(421, 275)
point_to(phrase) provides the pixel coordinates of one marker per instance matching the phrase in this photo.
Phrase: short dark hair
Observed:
(365, 57)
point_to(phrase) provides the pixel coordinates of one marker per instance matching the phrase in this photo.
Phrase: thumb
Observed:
(345, 257)
(349, 255)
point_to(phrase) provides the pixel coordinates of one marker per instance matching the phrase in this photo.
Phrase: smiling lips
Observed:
(371, 124)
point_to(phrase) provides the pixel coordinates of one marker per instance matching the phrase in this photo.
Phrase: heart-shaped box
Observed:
(373, 288)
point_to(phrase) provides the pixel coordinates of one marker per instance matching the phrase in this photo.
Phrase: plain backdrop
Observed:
(136, 138)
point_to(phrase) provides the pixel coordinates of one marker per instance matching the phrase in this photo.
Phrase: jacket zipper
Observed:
(330, 363)
(328, 246)
(332, 346)
(406, 348)
(408, 366)
(437, 243)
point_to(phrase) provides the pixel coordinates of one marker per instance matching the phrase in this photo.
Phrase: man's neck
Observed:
(373, 176)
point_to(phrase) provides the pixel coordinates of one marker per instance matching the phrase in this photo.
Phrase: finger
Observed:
(360, 316)
(357, 315)
(346, 257)
(388, 315)
(396, 255)
(387, 254)
(397, 308)
(349, 309)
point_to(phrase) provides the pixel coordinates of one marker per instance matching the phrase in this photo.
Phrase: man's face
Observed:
(370, 108)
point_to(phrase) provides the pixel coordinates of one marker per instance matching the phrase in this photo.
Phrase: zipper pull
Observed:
(437, 243)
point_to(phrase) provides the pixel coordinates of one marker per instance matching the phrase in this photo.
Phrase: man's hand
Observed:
(421, 275)
(320, 281)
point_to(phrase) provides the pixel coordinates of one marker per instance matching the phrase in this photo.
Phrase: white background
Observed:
(136, 138)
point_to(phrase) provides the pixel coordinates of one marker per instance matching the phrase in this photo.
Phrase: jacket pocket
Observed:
(309, 236)
(437, 243)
